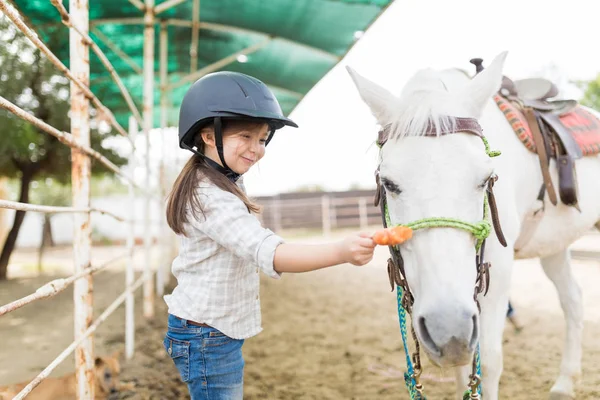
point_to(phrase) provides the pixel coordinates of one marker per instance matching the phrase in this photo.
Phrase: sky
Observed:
(334, 146)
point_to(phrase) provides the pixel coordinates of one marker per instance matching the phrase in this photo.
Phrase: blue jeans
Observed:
(210, 362)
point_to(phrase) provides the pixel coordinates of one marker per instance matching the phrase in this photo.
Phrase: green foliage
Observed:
(591, 97)
(49, 192)
(31, 82)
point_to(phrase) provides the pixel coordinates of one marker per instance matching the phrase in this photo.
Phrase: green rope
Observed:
(480, 230)
(490, 153)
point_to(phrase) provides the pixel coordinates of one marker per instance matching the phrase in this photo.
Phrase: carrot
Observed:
(392, 236)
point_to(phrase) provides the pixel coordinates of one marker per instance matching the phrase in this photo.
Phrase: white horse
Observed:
(445, 176)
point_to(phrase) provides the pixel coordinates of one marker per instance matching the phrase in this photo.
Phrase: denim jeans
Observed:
(210, 362)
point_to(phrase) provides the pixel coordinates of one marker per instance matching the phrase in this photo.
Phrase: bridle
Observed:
(480, 230)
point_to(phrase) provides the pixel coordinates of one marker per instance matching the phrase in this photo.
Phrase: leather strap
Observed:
(469, 125)
(538, 139)
(494, 211)
(570, 146)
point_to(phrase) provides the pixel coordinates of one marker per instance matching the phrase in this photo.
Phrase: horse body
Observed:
(446, 176)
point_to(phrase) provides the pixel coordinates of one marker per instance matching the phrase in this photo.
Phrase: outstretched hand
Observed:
(357, 249)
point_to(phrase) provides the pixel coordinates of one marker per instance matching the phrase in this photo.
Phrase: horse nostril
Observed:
(475, 335)
(426, 337)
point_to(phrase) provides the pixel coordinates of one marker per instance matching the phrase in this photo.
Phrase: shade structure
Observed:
(288, 44)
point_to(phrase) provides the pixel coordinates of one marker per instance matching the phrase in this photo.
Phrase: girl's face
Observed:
(243, 145)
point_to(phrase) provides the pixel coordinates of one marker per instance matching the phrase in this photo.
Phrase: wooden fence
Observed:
(320, 210)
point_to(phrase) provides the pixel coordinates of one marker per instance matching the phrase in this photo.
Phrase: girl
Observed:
(226, 120)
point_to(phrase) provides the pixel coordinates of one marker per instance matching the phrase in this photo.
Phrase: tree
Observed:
(591, 96)
(31, 82)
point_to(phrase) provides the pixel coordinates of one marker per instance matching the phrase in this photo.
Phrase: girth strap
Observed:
(544, 157)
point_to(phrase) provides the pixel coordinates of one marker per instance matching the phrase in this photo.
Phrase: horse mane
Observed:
(422, 105)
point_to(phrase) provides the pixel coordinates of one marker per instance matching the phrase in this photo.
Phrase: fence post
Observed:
(362, 213)
(148, 122)
(162, 234)
(80, 179)
(129, 273)
(326, 215)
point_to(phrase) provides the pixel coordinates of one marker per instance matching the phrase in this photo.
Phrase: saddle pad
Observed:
(583, 126)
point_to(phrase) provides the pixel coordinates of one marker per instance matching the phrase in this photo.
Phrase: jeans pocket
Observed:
(179, 351)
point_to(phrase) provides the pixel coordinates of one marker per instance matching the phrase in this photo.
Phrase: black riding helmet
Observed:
(221, 96)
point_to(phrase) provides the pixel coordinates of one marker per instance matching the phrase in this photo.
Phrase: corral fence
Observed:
(320, 210)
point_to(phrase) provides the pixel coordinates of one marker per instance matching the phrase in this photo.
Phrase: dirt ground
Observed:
(329, 334)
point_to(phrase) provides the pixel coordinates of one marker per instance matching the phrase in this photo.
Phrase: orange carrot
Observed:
(392, 236)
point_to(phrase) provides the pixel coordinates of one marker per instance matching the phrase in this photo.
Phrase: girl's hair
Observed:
(184, 195)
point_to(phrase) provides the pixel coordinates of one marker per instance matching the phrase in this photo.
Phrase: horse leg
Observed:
(558, 268)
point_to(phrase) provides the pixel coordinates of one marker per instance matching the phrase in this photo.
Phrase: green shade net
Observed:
(304, 40)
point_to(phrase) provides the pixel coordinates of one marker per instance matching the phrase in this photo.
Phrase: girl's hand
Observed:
(357, 249)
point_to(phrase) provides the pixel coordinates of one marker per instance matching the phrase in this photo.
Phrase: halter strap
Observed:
(469, 125)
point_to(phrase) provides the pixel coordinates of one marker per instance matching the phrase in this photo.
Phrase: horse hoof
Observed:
(560, 396)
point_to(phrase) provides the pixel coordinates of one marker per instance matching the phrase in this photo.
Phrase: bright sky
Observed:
(334, 146)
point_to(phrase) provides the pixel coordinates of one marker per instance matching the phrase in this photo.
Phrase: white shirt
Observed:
(218, 264)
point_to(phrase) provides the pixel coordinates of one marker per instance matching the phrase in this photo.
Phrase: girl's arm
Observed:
(357, 249)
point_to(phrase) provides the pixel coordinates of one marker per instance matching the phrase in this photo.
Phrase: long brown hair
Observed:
(184, 194)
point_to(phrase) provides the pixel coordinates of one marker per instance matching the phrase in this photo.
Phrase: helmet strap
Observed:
(219, 141)
(229, 174)
(271, 134)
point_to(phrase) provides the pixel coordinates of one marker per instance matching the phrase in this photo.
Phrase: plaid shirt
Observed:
(218, 264)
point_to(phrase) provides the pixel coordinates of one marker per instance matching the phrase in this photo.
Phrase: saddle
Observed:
(552, 139)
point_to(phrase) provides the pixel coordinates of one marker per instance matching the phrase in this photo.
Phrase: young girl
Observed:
(226, 120)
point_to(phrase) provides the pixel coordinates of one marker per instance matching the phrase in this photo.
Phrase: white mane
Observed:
(423, 102)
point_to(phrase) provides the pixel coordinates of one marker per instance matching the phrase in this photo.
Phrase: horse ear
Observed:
(377, 98)
(485, 84)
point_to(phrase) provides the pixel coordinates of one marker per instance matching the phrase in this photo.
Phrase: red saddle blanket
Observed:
(583, 126)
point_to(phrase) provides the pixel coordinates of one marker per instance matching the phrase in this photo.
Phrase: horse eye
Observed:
(391, 186)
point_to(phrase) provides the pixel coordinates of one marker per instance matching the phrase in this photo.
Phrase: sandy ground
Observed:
(330, 334)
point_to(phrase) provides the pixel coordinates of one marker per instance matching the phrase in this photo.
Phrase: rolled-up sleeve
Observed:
(226, 220)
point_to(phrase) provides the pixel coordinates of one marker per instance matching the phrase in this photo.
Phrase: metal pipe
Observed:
(164, 52)
(63, 137)
(165, 5)
(117, 21)
(66, 19)
(14, 205)
(211, 26)
(195, 34)
(148, 122)
(138, 4)
(54, 287)
(117, 50)
(80, 181)
(129, 272)
(66, 352)
(216, 65)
